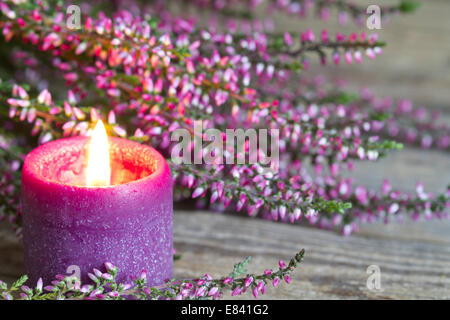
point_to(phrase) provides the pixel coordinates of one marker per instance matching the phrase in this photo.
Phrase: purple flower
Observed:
(276, 281)
(248, 281)
(287, 278)
(236, 291)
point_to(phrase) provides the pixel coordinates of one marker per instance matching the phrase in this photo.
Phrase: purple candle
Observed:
(83, 217)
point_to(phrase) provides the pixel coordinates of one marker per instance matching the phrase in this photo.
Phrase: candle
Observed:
(84, 205)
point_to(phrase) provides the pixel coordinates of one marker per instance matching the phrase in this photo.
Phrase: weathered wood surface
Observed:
(414, 258)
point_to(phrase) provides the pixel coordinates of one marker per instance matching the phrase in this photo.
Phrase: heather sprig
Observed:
(103, 285)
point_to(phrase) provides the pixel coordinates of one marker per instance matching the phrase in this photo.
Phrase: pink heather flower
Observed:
(288, 39)
(260, 285)
(18, 103)
(201, 292)
(336, 58)
(311, 213)
(110, 267)
(190, 181)
(78, 113)
(208, 277)
(309, 35)
(45, 138)
(198, 192)
(358, 56)
(15, 165)
(12, 112)
(25, 288)
(372, 155)
(119, 131)
(107, 276)
(76, 285)
(111, 117)
(7, 296)
(287, 278)
(282, 212)
(263, 289)
(97, 273)
(274, 214)
(85, 289)
(276, 281)
(361, 194)
(393, 208)
(81, 48)
(282, 264)
(297, 213)
(361, 153)
(267, 272)
(71, 76)
(95, 293)
(20, 92)
(348, 57)
(324, 36)
(138, 133)
(340, 37)
(49, 288)
(127, 286)
(370, 53)
(201, 282)
(67, 109)
(342, 18)
(113, 92)
(347, 230)
(92, 277)
(185, 292)
(143, 275)
(54, 110)
(386, 187)
(213, 291)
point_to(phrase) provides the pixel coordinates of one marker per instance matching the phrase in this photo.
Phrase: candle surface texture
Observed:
(67, 224)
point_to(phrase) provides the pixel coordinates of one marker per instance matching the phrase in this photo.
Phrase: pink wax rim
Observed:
(64, 162)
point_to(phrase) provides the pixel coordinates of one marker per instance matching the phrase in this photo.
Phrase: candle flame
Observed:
(98, 171)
